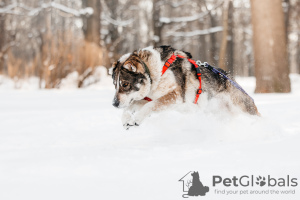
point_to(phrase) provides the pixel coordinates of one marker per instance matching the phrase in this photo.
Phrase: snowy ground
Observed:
(70, 144)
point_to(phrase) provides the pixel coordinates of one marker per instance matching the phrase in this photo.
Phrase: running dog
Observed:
(142, 89)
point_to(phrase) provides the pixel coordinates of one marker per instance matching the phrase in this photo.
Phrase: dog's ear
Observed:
(110, 70)
(144, 54)
(130, 67)
(135, 52)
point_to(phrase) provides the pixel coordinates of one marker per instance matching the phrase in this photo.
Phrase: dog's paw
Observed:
(129, 120)
(129, 125)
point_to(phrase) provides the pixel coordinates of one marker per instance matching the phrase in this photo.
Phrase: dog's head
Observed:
(131, 78)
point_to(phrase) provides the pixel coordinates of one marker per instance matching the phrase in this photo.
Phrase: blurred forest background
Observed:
(51, 38)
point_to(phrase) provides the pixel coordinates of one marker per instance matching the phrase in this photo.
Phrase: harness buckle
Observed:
(199, 63)
(199, 91)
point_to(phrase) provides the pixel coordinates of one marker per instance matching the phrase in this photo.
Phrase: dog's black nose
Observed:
(116, 103)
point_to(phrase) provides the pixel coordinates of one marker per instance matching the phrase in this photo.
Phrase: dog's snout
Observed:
(116, 102)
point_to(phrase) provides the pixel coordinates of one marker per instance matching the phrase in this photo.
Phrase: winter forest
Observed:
(50, 39)
(68, 131)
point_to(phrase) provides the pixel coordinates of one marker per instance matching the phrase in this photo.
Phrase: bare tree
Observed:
(222, 56)
(287, 9)
(230, 39)
(157, 25)
(213, 37)
(50, 39)
(297, 19)
(270, 50)
(2, 37)
(226, 49)
(298, 43)
(91, 23)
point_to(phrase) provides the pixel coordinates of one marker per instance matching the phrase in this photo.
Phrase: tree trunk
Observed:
(298, 44)
(91, 26)
(298, 55)
(2, 31)
(46, 50)
(296, 19)
(287, 12)
(2, 38)
(213, 40)
(157, 25)
(287, 18)
(230, 39)
(115, 44)
(270, 50)
(223, 48)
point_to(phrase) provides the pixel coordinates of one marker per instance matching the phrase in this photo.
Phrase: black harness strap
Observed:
(147, 70)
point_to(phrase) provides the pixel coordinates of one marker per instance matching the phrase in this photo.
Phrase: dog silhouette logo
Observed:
(192, 185)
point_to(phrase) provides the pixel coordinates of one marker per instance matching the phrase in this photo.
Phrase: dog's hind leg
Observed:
(245, 103)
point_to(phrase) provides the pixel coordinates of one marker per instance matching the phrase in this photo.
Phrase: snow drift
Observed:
(70, 144)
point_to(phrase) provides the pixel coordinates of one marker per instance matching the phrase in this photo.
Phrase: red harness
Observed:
(168, 64)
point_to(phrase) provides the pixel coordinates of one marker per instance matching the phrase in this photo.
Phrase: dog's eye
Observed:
(125, 85)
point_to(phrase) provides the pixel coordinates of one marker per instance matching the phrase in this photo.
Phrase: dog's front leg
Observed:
(127, 116)
(157, 105)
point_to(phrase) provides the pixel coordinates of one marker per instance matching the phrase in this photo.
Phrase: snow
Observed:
(31, 83)
(70, 144)
(85, 11)
(196, 32)
(118, 22)
(97, 80)
(8, 8)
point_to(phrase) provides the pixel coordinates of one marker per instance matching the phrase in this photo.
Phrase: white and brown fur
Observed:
(138, 75)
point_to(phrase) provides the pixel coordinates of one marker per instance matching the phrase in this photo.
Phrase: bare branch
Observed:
(8, 8)
(167, 20)
(35, 11)
(108, 18)
(196, 32)
(117, 22)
